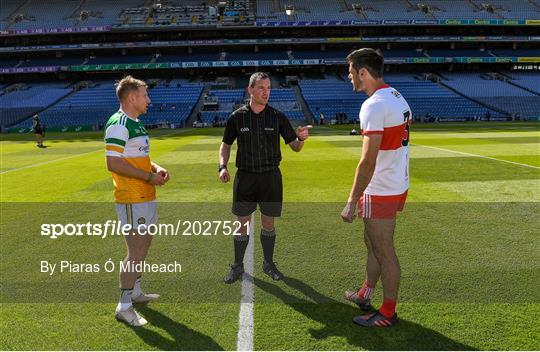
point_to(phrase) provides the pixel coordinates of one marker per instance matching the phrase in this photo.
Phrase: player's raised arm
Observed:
(302, 133)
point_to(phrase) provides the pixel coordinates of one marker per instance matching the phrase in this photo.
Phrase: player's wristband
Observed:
(221, 167)
(300, 139)
(149, 178)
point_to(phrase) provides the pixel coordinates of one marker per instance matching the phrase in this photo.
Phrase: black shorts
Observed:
(38, 131)
(250, 189)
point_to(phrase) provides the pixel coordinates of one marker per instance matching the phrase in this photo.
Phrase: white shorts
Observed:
(136, 214)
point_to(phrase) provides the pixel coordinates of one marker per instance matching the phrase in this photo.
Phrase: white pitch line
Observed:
(77, 155)
(48, 162)
(477, 156)
(245, 317)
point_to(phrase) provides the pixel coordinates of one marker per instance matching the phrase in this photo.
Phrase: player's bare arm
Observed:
(302, 133)
(224, 154)
(121, 167)
(363, 175)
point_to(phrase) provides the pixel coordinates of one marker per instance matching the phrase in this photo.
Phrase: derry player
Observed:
(380, 185)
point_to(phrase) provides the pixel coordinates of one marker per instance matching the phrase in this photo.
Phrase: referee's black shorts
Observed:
(264, 189)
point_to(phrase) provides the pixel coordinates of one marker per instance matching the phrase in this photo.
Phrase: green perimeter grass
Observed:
(467, 242)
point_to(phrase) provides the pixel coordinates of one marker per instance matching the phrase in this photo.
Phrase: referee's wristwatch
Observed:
(221, 167)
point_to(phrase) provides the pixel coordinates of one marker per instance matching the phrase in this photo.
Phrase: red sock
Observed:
(366, 291)
(388, 308)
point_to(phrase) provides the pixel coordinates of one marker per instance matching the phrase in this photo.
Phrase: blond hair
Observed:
(126, 85)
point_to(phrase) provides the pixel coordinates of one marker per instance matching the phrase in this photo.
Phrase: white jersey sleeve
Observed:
(372, 117)
(116, 137)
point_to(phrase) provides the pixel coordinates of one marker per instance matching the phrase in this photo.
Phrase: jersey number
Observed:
(406, 131)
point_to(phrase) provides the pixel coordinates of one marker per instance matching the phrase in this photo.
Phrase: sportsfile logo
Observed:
(117, 228)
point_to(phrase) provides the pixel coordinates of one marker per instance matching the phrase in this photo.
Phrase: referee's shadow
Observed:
(336, 318)
(183, 337)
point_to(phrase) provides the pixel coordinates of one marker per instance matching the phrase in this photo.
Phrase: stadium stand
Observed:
(262, 55)
(427, 99)
(331, 96)
(285, 100)
(93, 106)
(443, 9)
(126, 59)
(189, 57)
(64, 61)
(8, 63)
(527, 80)
(187, 13)
(458, 53)
(334, 55)
(465, 95)
(227, 100)
(313, 10)
(89, 106)
(29, 99)
(35, 14)
(517, 52)
(498, 94)
(172, 104)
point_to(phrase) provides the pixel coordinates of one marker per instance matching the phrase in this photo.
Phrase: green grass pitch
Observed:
(468, 243)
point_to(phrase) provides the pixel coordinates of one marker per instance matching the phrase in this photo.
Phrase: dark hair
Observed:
(257, 76)
(370, 59)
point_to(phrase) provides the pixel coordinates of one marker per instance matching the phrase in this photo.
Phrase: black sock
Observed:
(240, 246)
(268, 240)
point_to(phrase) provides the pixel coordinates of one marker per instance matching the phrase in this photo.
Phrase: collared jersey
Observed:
(387, 113)
(127, 138)
(258, 137)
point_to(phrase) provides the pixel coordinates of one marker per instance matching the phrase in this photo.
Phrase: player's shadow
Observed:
(336, 318)
(182, 337)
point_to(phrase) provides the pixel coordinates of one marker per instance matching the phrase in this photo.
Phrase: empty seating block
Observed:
(496, 93)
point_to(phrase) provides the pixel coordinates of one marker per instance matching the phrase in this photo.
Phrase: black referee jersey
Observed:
(258, 137)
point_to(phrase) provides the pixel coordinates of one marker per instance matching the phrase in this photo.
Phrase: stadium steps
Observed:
(197, 108)
(253, 4)
(74, 14)
(490, 107)
(533, 3)
(344, 6)
(303, 103)
(19, 9)
(509, 81)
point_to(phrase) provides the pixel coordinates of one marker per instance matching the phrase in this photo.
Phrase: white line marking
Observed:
(477, 156)
(48, 162)
(76, 155)
(245, 317)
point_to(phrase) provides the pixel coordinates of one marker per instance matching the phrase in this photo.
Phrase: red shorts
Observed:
(380, 207)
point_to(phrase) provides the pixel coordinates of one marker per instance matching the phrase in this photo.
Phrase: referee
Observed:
(257, 127)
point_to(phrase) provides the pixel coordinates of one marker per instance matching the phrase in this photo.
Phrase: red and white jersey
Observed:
(386, 112)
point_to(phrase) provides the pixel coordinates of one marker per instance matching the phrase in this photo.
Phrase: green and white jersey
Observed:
(127, 138)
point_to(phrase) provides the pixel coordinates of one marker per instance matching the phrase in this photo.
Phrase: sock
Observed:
(366, 291)
(268, 240)
(388, 308)
(125, 299)
(137, 287)
(240, 246)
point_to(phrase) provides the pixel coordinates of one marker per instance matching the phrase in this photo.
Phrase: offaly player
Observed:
(381, 183)
(134, 178)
